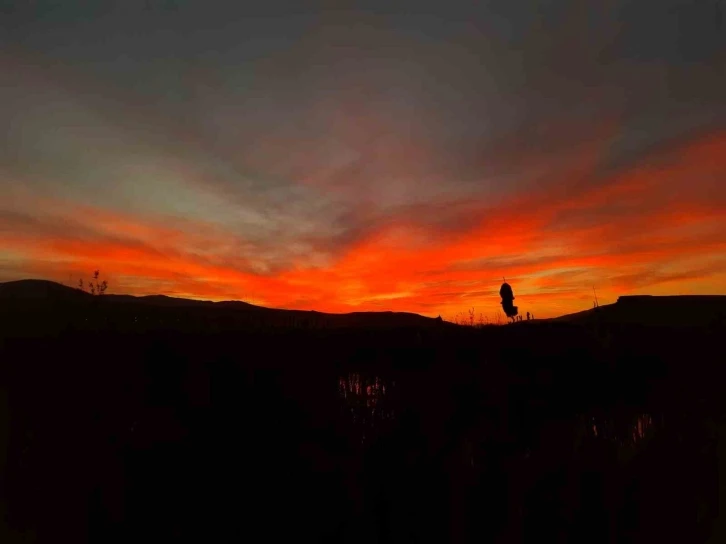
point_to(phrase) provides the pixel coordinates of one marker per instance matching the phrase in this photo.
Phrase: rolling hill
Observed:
(50, 298)
(680, 311)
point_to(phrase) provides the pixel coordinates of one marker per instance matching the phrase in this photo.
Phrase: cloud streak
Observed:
(626, 234)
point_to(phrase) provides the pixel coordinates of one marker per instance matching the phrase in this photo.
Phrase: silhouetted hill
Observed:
(202, 421)
(38, 290)
(681, 311)
(56, 301)
(158, 300)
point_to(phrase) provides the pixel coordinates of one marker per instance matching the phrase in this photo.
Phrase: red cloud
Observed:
(653, 228)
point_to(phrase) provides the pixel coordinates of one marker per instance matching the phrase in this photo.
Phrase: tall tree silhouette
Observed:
(505, 291)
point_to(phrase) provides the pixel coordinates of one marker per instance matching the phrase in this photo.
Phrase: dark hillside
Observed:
(58, 306)
(680, 311)
(211, 421)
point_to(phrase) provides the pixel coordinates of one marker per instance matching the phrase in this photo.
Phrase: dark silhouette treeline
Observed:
(205, 429)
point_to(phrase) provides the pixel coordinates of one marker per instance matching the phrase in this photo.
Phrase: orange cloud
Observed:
(656, 227)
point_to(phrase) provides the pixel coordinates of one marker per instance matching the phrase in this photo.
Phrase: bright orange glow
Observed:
(658, 228)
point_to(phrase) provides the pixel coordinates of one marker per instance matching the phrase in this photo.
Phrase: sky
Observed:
(342, 156)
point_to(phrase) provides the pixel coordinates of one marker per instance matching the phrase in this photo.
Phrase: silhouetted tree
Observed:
(505, 291)
(94, 286)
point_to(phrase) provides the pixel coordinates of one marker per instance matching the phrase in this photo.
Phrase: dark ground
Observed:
(126, 422)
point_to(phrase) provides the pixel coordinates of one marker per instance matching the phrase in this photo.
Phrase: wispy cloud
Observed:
(622, 235)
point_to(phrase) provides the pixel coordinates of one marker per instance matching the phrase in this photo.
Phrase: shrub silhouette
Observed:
(94, 286)
(505, 291)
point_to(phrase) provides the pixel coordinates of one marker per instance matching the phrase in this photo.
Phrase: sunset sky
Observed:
(343, 156)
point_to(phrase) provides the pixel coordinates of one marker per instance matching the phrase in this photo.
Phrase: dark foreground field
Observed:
(122, 422)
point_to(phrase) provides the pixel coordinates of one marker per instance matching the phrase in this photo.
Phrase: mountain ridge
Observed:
(38, 292)
(691, 310)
